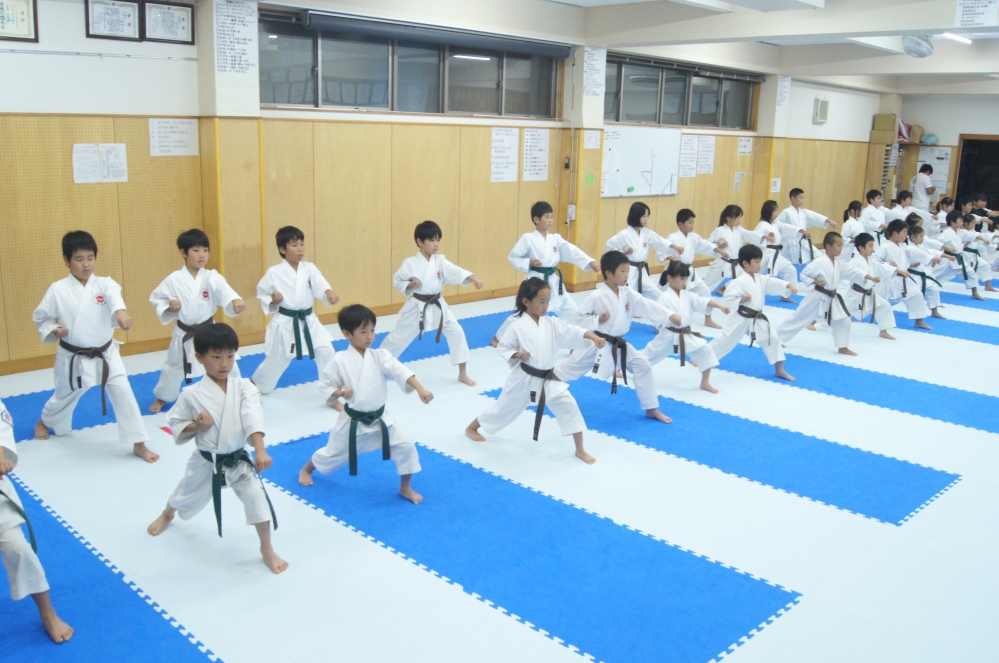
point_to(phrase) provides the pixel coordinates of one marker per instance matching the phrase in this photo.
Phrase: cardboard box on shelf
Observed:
(885, 122)
(884, 137)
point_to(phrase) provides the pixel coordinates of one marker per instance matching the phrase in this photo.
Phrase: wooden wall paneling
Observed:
(713, 192)
(40, 204)
(353, 181)
(588, 216)
(4, 353)
(763, 151)
(798, 169)
(875, 167)
(564, 176)
(210, 212)
(161, 199)
(821, 195)
(289, 186)
(744, 196)
(488, 225)
(532, 192)
(668, 206)
(426, 164)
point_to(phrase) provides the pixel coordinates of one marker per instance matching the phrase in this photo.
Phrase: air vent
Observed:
(821, 115)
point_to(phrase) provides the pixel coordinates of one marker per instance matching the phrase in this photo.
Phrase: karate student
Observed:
(929, 259)
(530, 346)
(222, 414)
(420, 279)
(608, 313)
(731, 235)
(80, 313)
(539, 253)
(635, 241)
(852, 227)
(290, 289)
(823, 276)
(906, 208)
(24, 570)
(797, 215)
(902, 286)
(952, 240)
(684, 245)
(976, 250)
(861, 298)
(774, 263)
(359, 375)
(922, 188)
(191, 295)
(875, 216)
(677, 337)
(980, 206)
(747, 294)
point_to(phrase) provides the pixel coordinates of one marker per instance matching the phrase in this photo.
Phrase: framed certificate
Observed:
(113, 19)
(19, 20)
(168, 21)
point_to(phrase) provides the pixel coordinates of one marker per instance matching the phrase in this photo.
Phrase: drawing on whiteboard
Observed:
(640, 161)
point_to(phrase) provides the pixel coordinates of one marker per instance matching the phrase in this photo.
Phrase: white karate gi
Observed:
(924, 255)
(873, 219)
(692, 244)
(367, 376)
(640, 241)
(199, 297)
(981, 260)
(918, 186)
(816, 305)
(783, 232)
(734, 238)
(851, 228)
(542, 339)
(911, 295)
(433, 274)
(300, 289)
(237, 414)
(736, 327)
(89, 314)
(951, 269)
(24, 570)
(802, 219)
(666, 342)
(883, 313)
(904, 212)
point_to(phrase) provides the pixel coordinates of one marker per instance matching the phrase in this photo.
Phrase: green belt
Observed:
(221, 462)
(297, 316)
(20, 512)
(960, 260)
(548, 271)
(368, 419)
(925, 276)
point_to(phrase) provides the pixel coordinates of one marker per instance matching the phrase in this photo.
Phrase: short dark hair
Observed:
(674, 269)
(915, 230)
(635, 214)
(748, 253)
(218, 336)
(896, 226)
(830, 238)
(872, 194)
(768, 209)
(794, 193)
(78, 240)
(352, 317)
(539, 209)
(964, 200)
(529, 289)
(863, 239)
(954, 215)
(190, 238)
(730, 212)
(685, 215)
(913, 219)
(926, 168)
(610, 261)
(427, 230)
(287, 234)
(975, 197)
(902, 195)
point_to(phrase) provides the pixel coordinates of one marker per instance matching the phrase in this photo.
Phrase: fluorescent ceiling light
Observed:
(477, 57)
(272, 36)
(994, 75)
(950, 35)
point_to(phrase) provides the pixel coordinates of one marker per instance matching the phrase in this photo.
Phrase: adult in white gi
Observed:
(635, 241)
(774, 263)
(800, 249)
(902, 287)
(863, 299)
(922, 188)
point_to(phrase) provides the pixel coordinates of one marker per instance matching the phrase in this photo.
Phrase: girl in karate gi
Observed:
(902, 286)
(929, 255)
(800, 250)
(863, 299)
(420, 279)
(24, 570)
(731, 235)
(677, 336)
(191, 295)
(774, 263)
(852, 227)
(635, 241)
(684, 245)
(530, 346)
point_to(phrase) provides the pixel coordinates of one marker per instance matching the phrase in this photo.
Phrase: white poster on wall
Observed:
(688, 156)
(591, 139)
(783, 92)
(737, 185)
(536, 155)
(775, 185)
(95, 163)
(705, 155)
(503, 156)
(976, 13)
(173, 137)
(114, 162)
(939, 158)
(594, 72)
(745, 147)
(235, 37)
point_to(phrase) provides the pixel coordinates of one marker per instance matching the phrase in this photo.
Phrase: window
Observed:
(674, 98)
(529, 88)
(474, 79)
(704, 94)
(287, 56)
(737, 106)
(640, 94)
(354, 72)
(418, 72)
(612, 91)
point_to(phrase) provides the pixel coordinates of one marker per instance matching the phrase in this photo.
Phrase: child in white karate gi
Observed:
(929, 255)
(952, 242)
(852, 227)
(289, 290)
(636, 241)
(530, 346)
(902, 286)
(190, 296)
(774, 263)
(677, 337)
(538, 254)
(24, 570)
(684, 245)
(801, 250)
(731, 235)
(875, 216)
(222, 414)
(747, 294)
(863, 299)
(420, 279)
(359, 375)
(80, 313)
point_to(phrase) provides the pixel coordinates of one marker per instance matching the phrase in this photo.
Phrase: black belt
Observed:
(681, 347)
(93, 353)
(754, 315)
(863, 298)
(430, 300)
(368, 419)
(20, 512)
(925, 277)
(221, 462)
(777, 249)
(811, 247)
(548, 271)
(836, 297)
(188, 335)
(619, 349)
(297, 317)
(545, 375)
(641, 265)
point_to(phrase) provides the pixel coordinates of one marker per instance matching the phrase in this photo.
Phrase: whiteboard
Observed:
(640, 161)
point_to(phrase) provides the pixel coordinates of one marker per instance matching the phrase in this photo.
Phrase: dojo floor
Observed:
(848, 516)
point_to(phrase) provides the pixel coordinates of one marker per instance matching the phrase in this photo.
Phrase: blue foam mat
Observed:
(956, 299)
(111, 621)
(610, 591)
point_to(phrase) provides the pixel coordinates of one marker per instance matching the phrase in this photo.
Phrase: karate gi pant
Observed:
(932, 294)
(666, 343)
(24, 570)
(194, 491)
(785, 270)
(766, 338)
(913, 299)
(983, 269)
(172, 376)
(949, 270)
(513, 402)
(58, 411)
(407, 328)
(884, 316)
(579, 364)
(274, 365)
(567, 311)
(717, 274)
(808, 310)
(336, 453)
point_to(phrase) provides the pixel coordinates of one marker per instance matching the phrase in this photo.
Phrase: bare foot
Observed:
(305, 476)
(708, 322)
(654, 413)
(708, 388)
(411, 495)
(811, 327)
(467, 380)
(921, 324)
(989, 288)
(474, 434)
(41, 431)
(160, 524)
(847, 351)
(157, 405)
(978, 297)
(788, 300)
(585, 457)
(781, 373)
(494, 342)
(275, 563)
(884, 334)
(57, 629)
(145, 453)
(936, 314)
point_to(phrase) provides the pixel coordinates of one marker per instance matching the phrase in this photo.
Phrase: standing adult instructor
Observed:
(922, 188)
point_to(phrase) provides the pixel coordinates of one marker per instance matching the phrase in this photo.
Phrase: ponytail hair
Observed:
(855, 205)
(529, 289)
(944, 202)
(635, 214)
(767, 211)
(730, 212)
(674, 269)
